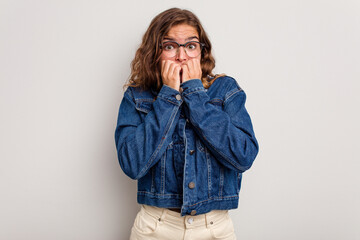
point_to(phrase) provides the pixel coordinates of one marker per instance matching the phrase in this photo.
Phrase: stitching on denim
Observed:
(237, 166)
(221, 181)
(152, 180)
(195, 91)
(138, 103)
(216, 100)
(170, 122)
(144, 110)
(129, 96)
(215, 199)
(159, 194)
(144, 100)
(161, 142)
(185, 162)
(200, 146)
(238, 182)
(208, 161)
(180, 196)
(231, 94)
(171, 145)
(176, 103)
(163, 171)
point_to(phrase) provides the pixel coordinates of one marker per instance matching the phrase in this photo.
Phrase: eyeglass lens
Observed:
(192, 49)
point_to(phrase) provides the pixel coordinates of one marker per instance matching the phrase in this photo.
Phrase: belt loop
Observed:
(162, 215)
(207, 220)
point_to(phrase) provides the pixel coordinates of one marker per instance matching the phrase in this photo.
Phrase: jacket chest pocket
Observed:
(144, 106)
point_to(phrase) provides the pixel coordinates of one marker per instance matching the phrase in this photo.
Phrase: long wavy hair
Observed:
(145, 67)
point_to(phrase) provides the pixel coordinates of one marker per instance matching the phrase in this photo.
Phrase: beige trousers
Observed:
(161, 223)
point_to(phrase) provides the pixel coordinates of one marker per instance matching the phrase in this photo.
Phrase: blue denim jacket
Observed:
(187, 150)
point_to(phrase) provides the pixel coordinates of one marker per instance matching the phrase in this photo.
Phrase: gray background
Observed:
(62, 68)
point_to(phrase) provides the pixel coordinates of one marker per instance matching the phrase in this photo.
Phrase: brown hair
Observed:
(145, 69)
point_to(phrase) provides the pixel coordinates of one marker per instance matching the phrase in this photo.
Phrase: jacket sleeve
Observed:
(225, 130)
(141, 143)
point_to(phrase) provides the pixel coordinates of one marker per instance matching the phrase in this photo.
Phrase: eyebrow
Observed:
(189, 38)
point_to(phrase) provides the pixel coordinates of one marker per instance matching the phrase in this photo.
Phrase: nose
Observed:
(181, 54)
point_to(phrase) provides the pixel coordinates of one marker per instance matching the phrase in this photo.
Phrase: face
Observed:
(181, 34)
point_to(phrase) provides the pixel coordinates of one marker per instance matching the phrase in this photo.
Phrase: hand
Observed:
(170, 74)
(191, 70)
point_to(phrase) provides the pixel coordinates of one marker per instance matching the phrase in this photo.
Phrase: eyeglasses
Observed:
(192, 48)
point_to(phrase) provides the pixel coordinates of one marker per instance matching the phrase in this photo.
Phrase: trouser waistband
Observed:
(207, 219)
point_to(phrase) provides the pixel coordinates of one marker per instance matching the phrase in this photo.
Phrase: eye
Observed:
(168, 46)
(192, 46)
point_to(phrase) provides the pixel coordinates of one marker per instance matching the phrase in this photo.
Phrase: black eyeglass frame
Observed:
(202, 45)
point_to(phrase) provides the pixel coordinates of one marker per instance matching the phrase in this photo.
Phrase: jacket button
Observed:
(191, 185)
(193, 212)
(192, 152)
(178, 97)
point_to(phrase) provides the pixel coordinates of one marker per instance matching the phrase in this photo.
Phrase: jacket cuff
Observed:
(169, 94)
(191, 86)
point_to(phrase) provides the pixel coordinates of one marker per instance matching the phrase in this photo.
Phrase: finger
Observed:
(196, 68)
(177, 71)
(171, 69)
(163, 66)
(166, 68)
(190, 65)
(185, 69)
(174, 76)
(197, 64)
(185, 73)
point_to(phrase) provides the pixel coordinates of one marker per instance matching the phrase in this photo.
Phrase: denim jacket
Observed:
(187, 149)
